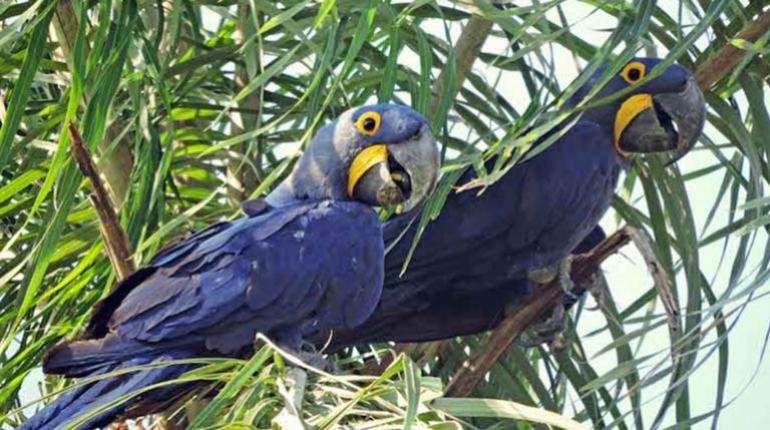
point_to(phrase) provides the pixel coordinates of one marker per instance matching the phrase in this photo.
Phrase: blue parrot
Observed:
(309, 264)
(483, 251)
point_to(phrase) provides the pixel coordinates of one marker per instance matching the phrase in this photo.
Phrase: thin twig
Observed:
(115, 161)
(115, 239)
(660, 279)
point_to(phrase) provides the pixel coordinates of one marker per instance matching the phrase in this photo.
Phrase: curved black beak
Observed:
(666, 122)
(402, 176)
(379, 187)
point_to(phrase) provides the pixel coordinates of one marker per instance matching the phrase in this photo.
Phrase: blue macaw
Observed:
(478, 256)
(309, 264)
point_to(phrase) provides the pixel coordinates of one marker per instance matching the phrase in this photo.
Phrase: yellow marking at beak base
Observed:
(630, 108)
(364, 161)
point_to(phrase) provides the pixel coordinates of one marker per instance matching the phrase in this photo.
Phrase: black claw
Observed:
(572, 297)
(546, 331)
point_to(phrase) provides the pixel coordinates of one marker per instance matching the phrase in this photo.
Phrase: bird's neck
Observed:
(297, 188)
(313, 178)
(283, 195)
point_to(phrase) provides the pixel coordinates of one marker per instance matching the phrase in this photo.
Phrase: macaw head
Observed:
(664, 113)
(381, 155)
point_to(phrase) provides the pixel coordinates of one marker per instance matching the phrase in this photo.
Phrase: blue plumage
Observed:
(398, 123)
(309, 265)
(293, 272)
(473, 260)
(97, 398)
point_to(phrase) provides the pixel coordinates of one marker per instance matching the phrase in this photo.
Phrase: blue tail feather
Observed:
(90, 397)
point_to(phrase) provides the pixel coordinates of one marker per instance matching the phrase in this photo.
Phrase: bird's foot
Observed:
(550, 329)
(595, 287)
(566, 283)
(544, 275)
(312, 357)
(559, 272)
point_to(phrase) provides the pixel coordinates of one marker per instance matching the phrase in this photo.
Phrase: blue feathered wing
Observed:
(292, 272)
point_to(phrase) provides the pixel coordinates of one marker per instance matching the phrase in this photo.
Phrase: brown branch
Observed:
(115, 239)
(466, 50)
(723, 61)
(242, 178)
(661, 280)
(64, 26)
(115, 161)
(550, 295)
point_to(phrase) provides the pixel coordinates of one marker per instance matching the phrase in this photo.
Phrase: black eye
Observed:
(633, 72)
(368, 123)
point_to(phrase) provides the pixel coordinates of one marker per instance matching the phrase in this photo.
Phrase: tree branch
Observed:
(466, 50)
(115, 239)
(583, 267)
(116, 163)
(242, 178)
(723, 61)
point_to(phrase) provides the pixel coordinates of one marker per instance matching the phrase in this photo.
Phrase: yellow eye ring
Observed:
(633, 72)
(368, 123)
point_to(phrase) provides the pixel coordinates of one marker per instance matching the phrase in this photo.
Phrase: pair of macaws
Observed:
(310, 265)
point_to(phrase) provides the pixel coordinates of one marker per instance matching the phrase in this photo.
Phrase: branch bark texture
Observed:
(115, 239)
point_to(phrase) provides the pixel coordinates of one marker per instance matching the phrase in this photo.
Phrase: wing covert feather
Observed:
(295, 271)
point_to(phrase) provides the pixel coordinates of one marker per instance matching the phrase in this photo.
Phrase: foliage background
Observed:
(191, 106)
